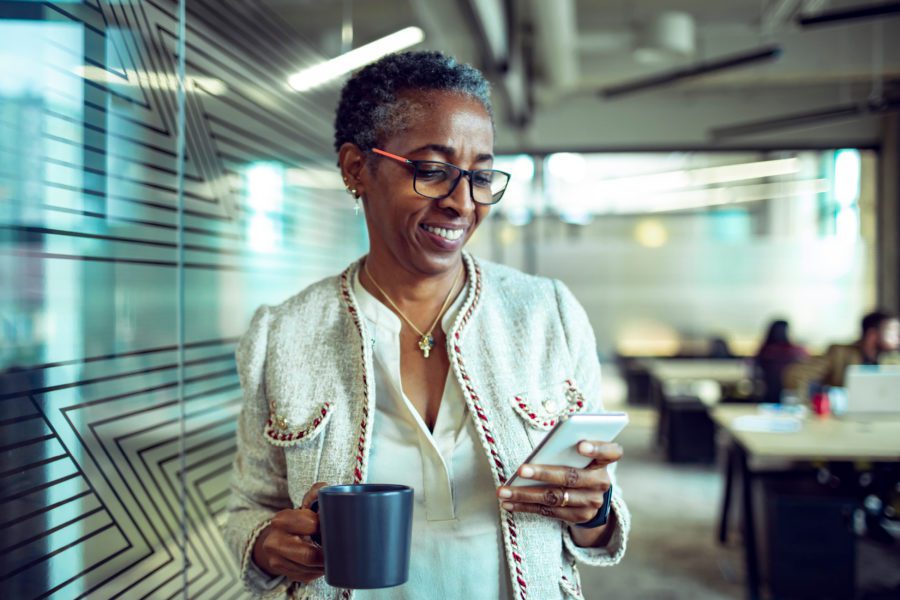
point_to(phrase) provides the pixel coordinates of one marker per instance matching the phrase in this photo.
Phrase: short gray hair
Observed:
(371, 109)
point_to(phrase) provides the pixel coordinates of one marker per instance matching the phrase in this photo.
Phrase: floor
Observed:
(672, 552)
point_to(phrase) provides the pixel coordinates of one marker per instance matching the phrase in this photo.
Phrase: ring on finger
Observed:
(565, 498)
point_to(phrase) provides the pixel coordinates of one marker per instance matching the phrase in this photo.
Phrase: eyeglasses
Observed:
(437, 180)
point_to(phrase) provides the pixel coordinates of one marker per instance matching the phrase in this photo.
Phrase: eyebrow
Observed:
(448, 151)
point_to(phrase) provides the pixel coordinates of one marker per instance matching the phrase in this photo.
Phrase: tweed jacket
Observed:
(521, 349)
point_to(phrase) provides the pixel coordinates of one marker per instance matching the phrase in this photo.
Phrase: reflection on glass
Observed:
(89, 411)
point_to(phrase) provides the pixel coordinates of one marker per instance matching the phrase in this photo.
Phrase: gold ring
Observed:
(565, 499)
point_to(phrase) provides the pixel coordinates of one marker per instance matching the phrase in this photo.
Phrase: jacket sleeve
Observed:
(583, 350)
(259, 483)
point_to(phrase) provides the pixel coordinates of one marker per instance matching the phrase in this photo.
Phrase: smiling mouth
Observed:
(451, 235)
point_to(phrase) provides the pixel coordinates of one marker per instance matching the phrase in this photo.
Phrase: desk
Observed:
(674, 382)
(827, 439)
(720, 370)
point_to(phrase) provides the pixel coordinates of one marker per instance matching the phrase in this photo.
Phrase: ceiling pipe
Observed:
(803, 119)
(504, 57)
(853, 13)
(556, 43)
(494, 24)
(701, 69)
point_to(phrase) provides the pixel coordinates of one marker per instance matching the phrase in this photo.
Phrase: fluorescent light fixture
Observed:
(322, 73)
(847, 166)
(697, 199)
(152, 79)
(642, 202)
(572, 171)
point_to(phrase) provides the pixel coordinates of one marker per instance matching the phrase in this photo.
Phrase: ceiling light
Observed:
(322, 73)
(691, 178)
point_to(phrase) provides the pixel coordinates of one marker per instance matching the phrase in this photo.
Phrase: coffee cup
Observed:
(365, 533)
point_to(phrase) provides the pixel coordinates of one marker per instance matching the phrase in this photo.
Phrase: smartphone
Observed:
(560, 446)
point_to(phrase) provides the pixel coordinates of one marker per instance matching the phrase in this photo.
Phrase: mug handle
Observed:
(315, 537)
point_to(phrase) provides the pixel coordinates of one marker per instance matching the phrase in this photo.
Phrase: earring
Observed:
(356, 207)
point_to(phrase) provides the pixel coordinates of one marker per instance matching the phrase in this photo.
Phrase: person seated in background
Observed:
(878, 345)
(718, 348)
(775, 354)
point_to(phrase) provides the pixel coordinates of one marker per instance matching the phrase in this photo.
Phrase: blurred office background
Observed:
(684, 214)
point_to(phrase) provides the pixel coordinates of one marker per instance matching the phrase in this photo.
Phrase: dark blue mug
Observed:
(365, 533)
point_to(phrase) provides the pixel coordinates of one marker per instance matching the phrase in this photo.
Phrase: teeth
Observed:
(447, 234)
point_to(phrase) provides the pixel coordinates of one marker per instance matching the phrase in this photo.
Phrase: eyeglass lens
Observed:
(437, 180)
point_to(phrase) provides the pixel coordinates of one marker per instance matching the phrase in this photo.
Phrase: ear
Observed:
(352, 161)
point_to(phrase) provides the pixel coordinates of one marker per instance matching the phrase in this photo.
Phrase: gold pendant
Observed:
(426, 343)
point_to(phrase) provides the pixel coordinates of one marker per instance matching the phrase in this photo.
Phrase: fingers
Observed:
(603, 453)
(571, 515)
(283, 565)
(296, 521)
(554, 496)
(281, 553)
(303, 553)
(312, 494)
(568, 477)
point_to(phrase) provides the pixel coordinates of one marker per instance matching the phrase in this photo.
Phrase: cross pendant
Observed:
(426, 343)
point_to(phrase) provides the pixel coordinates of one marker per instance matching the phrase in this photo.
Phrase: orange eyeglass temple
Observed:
(389, 155)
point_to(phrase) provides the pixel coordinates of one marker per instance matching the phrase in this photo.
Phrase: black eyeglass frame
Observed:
(462, 172)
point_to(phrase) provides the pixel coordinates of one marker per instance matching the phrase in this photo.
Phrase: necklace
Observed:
(426, 340)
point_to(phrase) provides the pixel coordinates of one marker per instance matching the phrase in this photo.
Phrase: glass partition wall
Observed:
(114, 443)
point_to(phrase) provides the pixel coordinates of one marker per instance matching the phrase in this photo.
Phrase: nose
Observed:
(460, 201)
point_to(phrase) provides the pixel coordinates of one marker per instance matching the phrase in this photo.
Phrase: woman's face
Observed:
(419, 233)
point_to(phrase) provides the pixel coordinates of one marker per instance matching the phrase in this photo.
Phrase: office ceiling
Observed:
(548, 60)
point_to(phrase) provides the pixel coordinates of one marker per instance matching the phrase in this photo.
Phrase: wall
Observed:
(653, 282)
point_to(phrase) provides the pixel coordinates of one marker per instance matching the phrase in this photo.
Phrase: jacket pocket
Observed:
(542, 408)
(286, 429)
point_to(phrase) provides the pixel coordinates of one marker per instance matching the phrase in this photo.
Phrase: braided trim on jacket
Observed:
(539, 417)
(247, 558)
(360, 467)
(508, 521)
(279, 432)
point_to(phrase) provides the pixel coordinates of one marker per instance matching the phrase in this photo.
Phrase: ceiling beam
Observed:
(806, 119)
(700, 69)
(852, 13)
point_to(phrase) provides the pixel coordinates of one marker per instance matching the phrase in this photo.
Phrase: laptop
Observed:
(872, 390)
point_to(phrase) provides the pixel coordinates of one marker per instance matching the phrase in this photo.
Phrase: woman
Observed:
(774, 356)
(422, 366)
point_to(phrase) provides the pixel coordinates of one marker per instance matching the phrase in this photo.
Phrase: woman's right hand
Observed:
(284, 547)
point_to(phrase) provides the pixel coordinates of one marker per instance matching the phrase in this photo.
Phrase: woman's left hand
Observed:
(571, 495)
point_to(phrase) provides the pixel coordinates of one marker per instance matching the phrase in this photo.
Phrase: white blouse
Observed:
(457, 549)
